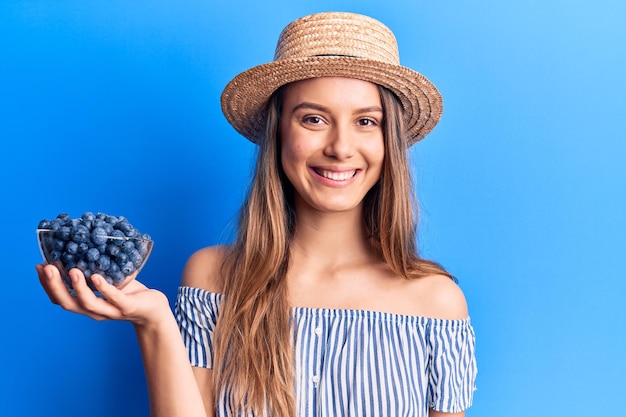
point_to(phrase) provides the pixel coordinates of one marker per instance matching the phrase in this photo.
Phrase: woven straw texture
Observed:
(332, 44)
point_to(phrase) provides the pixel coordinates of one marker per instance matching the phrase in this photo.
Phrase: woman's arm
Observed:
(445, 300)
(203, 270)
(204, 378)
(172, 388)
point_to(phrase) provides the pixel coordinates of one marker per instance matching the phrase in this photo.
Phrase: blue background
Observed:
(113, 106)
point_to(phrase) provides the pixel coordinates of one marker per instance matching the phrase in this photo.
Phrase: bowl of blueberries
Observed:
(101, 244)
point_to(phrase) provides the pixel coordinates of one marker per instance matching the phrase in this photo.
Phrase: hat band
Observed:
(340, 55)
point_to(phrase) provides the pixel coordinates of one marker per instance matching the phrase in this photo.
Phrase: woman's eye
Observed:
(367, 122)
(312, 119)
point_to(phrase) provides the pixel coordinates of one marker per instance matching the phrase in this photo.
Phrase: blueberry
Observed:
(125, 227)
(115, 273)
(71, 247)
(88, 216)
(128, 246)
(97, 223)
(81, 264)
(112, 249)
(64, 217)
(81, 234)
(128, 268)
(141, 247)
(82, 247)
(67, 259)
(56, 224)
(103, 263)
(119, 237)
(99, 236)
(108, 228)
(114, 267)
(58, 245)
(135, 257)
(44, 224)
(93, 254)
(121, 258)
(65, 233)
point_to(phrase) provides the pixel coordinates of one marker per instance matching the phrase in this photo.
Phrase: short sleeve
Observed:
(196, 312)
(452, 365)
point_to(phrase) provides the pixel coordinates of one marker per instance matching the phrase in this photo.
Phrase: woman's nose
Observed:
(341, 143)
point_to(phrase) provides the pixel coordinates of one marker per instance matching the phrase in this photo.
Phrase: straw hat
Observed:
(333, 44)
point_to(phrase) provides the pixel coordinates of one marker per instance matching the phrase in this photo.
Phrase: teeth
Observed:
(337, 176)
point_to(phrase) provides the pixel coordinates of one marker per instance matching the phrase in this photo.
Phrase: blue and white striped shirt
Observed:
(355, 362)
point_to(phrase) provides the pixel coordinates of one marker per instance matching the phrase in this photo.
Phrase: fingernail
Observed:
(74, 277)
(95, 280)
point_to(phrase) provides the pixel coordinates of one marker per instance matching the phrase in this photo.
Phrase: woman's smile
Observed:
(336, 176)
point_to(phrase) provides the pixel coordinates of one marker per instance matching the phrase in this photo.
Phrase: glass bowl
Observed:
(116, 258)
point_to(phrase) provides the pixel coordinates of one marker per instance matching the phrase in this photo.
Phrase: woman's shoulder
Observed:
(437, 296)
(203, 269)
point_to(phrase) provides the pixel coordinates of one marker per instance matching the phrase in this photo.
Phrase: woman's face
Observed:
(331, 141)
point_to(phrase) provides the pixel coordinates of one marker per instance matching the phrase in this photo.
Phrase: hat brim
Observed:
(245, 98)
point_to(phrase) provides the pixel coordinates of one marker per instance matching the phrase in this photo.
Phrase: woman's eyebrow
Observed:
(371, 109)
(319, 107)
(311, 106)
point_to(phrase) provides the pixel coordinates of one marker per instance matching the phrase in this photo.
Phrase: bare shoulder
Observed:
(440, 297)
(203, 268)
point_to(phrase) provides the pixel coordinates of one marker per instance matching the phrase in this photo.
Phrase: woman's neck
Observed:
(333, 265)
(330, 238)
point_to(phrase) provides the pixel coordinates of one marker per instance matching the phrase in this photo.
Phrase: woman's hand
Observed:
(173, 390)
(134, 303)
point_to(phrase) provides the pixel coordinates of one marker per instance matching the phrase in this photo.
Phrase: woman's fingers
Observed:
(57, 291)
(90, 304)
(44, 280)
(115, 298)
(134, 302)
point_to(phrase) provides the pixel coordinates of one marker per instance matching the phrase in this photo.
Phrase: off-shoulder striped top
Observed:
(356, 362)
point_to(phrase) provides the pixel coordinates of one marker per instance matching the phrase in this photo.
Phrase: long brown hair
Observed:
(253, 355)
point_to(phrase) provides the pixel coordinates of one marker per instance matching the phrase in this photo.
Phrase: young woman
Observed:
(322, 305)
